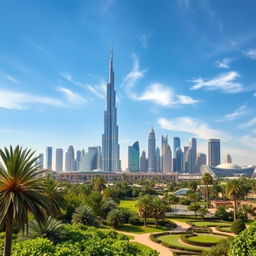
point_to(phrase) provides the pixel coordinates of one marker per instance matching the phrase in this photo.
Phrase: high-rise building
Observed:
(166, 155)
(151, 151)
(189, 159)
(213, 152)
(110, 146)
(78, 155)
(179, 160)
(40, 161)
(158, 160)
(48, 163)
(134, 157)
(200, 160)
(91, 160)
(193, 146)
(59, 160)
(143, 162)
(186, 158)
(176, 144)
(229, 159)
(68, 161)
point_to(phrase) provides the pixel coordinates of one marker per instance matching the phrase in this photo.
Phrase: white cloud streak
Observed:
(191, 126)
(72, 97)
(225, 82)
(249, 124)
(236, 113)
(225, 63)
(251, 54)
(249, 140)
(156, 92)
(10, 78)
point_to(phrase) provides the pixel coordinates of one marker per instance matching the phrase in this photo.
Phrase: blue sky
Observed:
(186, 67)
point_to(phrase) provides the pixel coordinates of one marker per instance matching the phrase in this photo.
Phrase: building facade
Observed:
(193, 146)
(200, 160)
(48, 160)
(134, 157)
(213, 152)
(110, 146)
(59, 160)
(166, 155)
(143, 162)
(151, 151)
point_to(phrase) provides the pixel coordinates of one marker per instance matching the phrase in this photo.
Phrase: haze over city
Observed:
(186, 72)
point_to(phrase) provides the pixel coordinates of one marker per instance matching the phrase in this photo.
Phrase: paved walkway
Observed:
(221, 232)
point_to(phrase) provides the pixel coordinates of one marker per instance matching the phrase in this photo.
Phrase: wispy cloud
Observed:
(225, 82)
(35, 45)
(251, 54)
(249, 124)
(191, 126)
(98, 90)
(236, 113)
(156, 92)
(9, 77)
(72, 97)
(225, 63)
(19, 100)
(249, 140)
(144, 38)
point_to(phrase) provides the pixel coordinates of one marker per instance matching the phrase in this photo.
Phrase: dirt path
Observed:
(144, 239)
(222, 232)
(181, 226)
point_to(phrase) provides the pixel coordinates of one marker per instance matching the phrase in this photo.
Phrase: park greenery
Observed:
(42, 216)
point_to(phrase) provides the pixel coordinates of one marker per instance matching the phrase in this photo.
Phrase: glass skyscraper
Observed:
(176, 144)
(59, 160)
(134, 157)
(143, 162)
(151, 151)
(213, 152)
(166, 155)
(48, 163)
(110, 146)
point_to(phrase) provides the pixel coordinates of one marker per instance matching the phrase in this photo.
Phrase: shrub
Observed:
(221, 248)
(237, 226)
(221, 213)
(84, 215)
(115, 218)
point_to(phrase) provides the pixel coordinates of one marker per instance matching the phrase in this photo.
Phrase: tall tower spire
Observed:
(110, 146)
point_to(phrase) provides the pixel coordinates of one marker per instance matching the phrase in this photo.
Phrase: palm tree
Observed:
(84, 215)
(144, 207)
(234, 191)
(158, 208)
(55, 197)
(207, 180)
(21, 191)
(98, 184)
(51, 229)
(116, 217)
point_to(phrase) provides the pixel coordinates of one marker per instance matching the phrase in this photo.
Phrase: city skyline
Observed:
(52, 79)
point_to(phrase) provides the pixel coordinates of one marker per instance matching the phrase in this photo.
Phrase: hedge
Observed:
(184, 239)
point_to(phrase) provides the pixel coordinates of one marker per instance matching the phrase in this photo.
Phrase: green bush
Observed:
(237, 226)
(244, 244)
(221, 248)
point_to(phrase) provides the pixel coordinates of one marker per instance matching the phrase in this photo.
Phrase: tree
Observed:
(115, 218)
(234, 191)
(55, 197)
(51, 229)
(193, 185)
(21, 191)
(221, 213)
(237, 226)
(107, 206)
(84, 215)
(144, 207)
(193, 196)
(157, 209)
(202, 211)
(171, 199)
(194, 207)
(98, 183)
(207, 180)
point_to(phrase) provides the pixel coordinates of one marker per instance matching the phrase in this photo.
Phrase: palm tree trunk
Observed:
(145, 221)
(156, 222)
(235, 207)
(207, 196)
(8, 237)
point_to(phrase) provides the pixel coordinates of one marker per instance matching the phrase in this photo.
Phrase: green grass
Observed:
(173, 240)
(211, 223)
(207, 238)
(129, 204)
(225, 229)
(141, 229)
(142, 246)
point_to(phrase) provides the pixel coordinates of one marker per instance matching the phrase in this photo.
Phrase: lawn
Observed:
(173, 240)
(141, 229)
(207, 238)
(142, 246)
(225, 229)
(211, 223)
(129, 204)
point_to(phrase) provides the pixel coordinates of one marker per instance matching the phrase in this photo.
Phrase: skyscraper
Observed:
(158, 160)
(134, 157)
(48, 163)
(143, 162)
(229, 159)
(213, 152)
(151, 151)
(91, 160)
(189, 159)
(59, 160)
(193, 146)
(176, 144)
(186, 158)
(110, 146)
(179, 160)
(68, 161)
(40, 161)
(166, 155)
(201, 160)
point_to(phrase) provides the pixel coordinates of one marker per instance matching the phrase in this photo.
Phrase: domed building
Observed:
(228, 170)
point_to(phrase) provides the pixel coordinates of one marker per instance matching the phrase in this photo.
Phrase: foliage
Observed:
(207, 180)
(222, 213)
(116, 217)
(194, 207)
(202, 211)
(98, 183)
(51, 229)
(221, 248)
(237, 226)
(144, 207)
(244, 244)
(157, 209)
(84, 215)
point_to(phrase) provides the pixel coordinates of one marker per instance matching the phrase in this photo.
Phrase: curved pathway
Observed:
(221, 232)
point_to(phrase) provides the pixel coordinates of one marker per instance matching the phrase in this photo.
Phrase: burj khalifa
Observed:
(110, 146)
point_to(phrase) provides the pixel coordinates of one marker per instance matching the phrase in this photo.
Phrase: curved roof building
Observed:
(228, 170)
